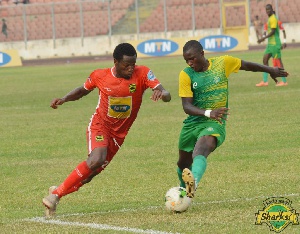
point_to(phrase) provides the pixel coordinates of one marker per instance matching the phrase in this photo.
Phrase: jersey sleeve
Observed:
(280, 25)
(185, 85)
(89, 84)
(232, 64)
(151, 80)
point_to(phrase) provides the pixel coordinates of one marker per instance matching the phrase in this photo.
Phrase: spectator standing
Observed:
(4, 28)
(258, 25)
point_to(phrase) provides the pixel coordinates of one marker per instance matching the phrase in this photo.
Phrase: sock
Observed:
(74, 188)
(265, 77)
(199, 167)
(283, 79)
(80, 184)
(81, 172)
(179, 173)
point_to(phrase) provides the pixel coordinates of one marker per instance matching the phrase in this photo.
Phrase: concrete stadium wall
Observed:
(104, 45)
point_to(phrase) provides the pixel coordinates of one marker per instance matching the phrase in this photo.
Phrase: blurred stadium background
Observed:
(30, 21)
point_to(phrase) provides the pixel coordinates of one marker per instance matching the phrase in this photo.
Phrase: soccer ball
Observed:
(176, 200)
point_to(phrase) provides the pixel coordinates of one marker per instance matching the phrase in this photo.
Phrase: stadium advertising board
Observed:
(218, 43)
(158, 47)
(173, 46)
(10, 58)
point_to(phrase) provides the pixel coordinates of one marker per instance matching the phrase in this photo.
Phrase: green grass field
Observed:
(40, 146)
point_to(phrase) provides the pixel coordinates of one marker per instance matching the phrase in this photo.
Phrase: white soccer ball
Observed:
(176, 200)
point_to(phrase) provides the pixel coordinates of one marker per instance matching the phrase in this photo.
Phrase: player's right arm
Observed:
(71, 96)
(186, 94)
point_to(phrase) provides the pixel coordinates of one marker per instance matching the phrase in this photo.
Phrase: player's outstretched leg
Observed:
(189, 181)
(50, 202)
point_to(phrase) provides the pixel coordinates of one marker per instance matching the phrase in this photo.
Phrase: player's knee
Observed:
(95, 162)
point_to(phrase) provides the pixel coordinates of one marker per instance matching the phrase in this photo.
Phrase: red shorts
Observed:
(99, 136)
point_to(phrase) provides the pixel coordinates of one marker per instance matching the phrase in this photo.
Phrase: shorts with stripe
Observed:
(191, 132)
(99, 136)
(274, 50)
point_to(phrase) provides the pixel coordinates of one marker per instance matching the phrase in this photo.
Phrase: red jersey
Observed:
(119, 99)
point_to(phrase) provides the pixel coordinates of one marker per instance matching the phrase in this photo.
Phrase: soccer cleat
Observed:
(282, 84)
(262, 84)
(189, 181)
(50, 202)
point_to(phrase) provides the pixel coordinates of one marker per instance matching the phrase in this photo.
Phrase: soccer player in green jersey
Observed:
(274, 44)
(203, 88)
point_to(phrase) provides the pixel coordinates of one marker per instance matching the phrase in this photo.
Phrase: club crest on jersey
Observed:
(99, 138)
(132, 88)
(217, 79)
(210, 129)
(150, 75)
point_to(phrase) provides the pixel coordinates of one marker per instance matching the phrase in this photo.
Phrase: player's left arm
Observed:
(256, 67)
(284, 39)
(159, 92)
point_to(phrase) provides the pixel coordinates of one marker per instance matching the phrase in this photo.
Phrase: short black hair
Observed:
(193, 44)
(269, 5)
(123, 49)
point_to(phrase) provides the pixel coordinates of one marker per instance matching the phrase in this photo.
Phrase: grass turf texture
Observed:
(41, 146)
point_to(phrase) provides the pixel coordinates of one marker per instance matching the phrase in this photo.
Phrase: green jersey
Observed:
(275, 38)
(209, 89)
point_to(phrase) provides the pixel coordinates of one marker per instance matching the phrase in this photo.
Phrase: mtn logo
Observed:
(218, 43)
(157, 47)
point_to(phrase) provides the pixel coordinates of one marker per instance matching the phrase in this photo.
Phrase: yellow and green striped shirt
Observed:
(209, 89)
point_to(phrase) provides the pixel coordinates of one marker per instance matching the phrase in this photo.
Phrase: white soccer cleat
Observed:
(50, 202)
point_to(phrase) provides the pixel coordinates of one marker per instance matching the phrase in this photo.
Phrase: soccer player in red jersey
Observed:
(121, 90)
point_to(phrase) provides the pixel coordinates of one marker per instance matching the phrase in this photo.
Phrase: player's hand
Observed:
(156, 95)
(283, 46)
(219, 114)
(55, 102)
(160, 94)
(260, 40)
(278, 72)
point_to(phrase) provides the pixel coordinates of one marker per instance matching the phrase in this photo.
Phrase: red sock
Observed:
(81, 172)
(74, 188)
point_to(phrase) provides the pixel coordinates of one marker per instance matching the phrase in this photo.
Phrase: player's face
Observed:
(125, 67)
(195, 59)
(269, 10)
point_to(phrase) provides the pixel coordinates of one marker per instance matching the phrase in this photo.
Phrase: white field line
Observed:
(135, 230)
(96, 226)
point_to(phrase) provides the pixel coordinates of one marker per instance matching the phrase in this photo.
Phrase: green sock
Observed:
(199, 167)
(179, 173)
(283, 79)
(265, 77)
